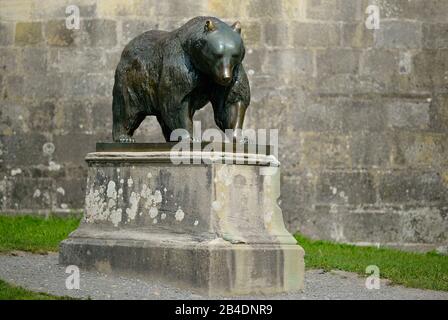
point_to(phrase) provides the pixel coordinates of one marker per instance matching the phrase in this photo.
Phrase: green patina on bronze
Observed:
(171, 75)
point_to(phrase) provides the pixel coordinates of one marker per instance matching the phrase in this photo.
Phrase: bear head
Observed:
(219, 50)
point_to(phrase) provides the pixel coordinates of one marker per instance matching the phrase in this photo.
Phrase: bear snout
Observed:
(225, 75)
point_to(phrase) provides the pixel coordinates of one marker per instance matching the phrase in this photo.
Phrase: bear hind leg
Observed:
(124, 133)
(119, 129)
(125, 119)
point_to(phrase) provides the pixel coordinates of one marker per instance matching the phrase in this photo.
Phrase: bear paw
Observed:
(241, 139)
(126, 139)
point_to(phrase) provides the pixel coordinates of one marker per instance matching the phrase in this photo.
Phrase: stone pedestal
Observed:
(210, 224)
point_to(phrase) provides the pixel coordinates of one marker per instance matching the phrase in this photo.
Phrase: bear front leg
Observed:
(231, 116)
(230, 104)
(177, 124)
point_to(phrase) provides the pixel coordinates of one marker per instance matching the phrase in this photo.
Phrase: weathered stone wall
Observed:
(362, 114)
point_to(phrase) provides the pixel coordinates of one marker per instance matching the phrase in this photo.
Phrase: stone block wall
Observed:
(362, 114)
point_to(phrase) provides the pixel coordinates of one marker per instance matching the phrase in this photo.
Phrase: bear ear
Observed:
(237, 27)
(209, 26)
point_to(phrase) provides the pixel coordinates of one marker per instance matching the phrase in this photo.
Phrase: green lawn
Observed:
(35, 234)
(10, 292)
(427, 271)
(415, 270)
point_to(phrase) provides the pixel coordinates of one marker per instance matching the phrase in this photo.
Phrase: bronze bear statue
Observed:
(171, 75)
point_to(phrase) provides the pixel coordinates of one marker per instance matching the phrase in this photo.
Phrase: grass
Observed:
(34, 234)
(415, 270)
(10, 292)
